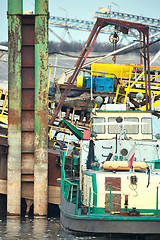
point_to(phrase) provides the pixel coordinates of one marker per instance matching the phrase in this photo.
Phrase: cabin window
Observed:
(113, 128)
(147, 126)
(131, 128)
(101, 127)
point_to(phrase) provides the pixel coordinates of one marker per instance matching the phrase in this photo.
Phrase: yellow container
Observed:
(80, 81)
(121, 71)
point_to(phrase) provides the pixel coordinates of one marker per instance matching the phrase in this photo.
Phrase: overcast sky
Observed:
(83, 10)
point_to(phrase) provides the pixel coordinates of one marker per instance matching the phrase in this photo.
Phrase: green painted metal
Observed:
(15, 6)
(76, 160)
(89, 207)
(73, 129)
(157, 203)
(102, 217)
(71, 161)
(41, 7)
(62, 156)
(135, 111)
(94, 183)
(41, 109)
(77, 200)
(110, 199)
(67, 187)
(14, 115)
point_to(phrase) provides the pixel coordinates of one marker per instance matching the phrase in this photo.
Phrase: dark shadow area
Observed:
(53, 210)
(3, 205)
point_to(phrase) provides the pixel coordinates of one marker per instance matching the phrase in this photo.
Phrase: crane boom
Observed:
(100, 23)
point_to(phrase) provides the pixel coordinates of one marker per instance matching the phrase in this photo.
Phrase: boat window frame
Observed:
(99, 125)
(113, 125)
(150, 125)
(138, 130)
(135, 125)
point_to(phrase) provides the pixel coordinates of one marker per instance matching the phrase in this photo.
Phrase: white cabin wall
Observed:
(146, 198)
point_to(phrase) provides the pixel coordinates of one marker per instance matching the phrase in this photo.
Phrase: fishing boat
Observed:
(117, 187)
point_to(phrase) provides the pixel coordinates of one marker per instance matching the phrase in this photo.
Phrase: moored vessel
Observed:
(117, 188)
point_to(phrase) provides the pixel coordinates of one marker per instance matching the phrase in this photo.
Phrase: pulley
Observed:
(114, 38)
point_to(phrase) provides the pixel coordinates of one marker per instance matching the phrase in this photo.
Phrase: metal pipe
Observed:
(14, 115)
(148, 61)
(89, 207)
(110, 199)
(41, 109)
(145, 71)
(157, 203)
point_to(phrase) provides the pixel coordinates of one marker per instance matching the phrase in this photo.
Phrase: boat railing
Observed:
(71, 192)
(135, 83)
(112, 205)
(70, 187)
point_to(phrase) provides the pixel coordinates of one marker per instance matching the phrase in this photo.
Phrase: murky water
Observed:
(12, 228)
(48, 228)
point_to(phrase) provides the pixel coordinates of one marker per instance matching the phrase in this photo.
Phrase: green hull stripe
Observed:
(102, 217)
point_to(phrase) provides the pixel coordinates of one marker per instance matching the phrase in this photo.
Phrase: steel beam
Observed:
(85, 51)
(122, 26)
(14, 116)
(41, 108)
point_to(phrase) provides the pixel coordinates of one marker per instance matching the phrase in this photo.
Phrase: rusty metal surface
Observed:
(27, 178)
(121, 25)
(14, 115)
(116, 202)
(28, 99)
(28, 33)
(78, 66)
(114, 182)
(28, 141)
(27, 163)
(3, 163)
(28, 77)
(28, 56)
(28, 93)
(54, 170)
(41, 108)
(28, 120)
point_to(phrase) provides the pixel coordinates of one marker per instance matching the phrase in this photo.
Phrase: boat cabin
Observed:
(125, 124)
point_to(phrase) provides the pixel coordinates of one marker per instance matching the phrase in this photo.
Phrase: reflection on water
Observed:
(49, 228)
(26, 228)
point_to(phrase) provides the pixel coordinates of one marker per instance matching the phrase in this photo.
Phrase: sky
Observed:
(82, 10)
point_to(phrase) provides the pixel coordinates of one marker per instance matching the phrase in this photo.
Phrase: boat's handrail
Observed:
(69, 192)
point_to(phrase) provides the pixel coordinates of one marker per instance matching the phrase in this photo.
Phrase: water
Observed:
(16, 228)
